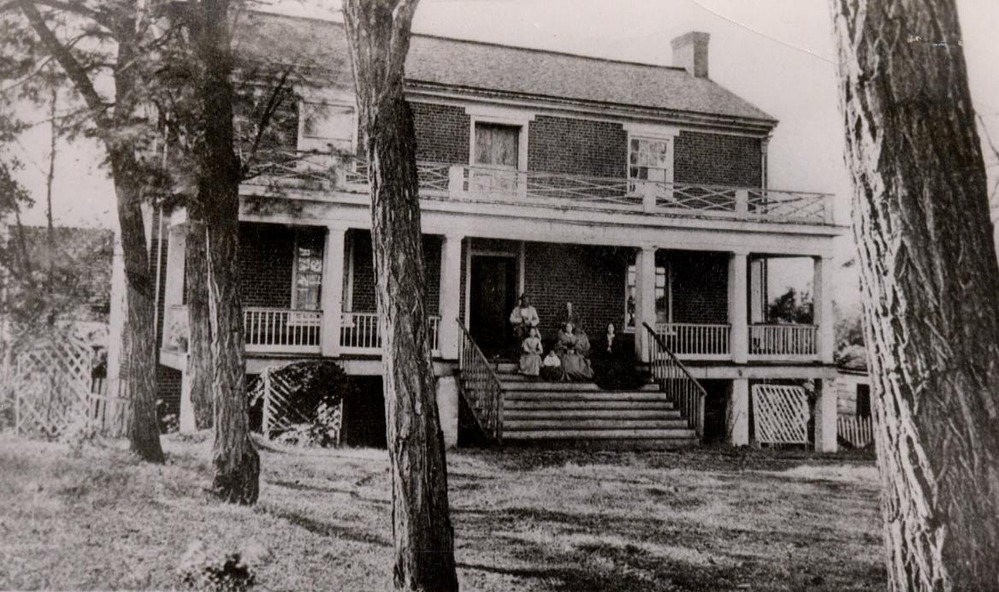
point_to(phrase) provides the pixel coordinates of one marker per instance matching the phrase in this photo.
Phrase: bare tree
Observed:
(378, 33)
(930, 279)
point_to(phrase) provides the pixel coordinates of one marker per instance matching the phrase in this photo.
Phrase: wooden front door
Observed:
(492, 297)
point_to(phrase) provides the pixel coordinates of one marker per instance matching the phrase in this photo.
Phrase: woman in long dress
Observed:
(530, 357)
(574, 365)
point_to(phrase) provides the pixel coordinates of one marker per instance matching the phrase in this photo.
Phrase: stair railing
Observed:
(674, 380)
(480, 386)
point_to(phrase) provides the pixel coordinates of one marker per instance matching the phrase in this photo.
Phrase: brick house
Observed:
(637, 192)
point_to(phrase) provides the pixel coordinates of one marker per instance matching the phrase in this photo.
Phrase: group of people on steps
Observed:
(569, 357)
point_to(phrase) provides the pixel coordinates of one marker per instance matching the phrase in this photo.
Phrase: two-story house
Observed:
(637, 192)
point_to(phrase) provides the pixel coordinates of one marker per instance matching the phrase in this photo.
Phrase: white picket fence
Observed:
(858, 431)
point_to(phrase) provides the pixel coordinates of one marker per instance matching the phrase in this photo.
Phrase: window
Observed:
(650, 159)
(496, 155)
(308, 276)
(326, 125)
(663, 297)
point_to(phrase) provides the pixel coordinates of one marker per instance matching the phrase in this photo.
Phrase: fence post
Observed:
(742, 202)
(266, 421)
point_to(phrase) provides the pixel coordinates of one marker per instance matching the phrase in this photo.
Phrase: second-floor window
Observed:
(325, 125)
(650, 159)
(496, 156)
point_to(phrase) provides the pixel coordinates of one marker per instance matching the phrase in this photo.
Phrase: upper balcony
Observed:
(321, 175)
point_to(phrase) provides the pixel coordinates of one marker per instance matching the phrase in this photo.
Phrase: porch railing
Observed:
(479, 184)
(282, 330)
(696, 341)
(783, 340)
(480, 386)
(360, 333)
(673, 379)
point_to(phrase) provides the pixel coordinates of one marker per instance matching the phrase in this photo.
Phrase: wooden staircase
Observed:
(573, 413)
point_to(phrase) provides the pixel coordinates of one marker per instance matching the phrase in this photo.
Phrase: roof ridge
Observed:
(484, 43)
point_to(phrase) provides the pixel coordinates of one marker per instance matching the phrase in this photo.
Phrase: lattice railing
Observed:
(789, 205)
(480, 386)
(672, 376)
(780, 414)
(277, 391)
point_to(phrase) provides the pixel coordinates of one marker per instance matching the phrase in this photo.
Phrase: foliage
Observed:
(211, 569)
(791, 307)
(317, 389)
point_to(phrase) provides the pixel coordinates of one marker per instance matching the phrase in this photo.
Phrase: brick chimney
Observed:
(690, 52)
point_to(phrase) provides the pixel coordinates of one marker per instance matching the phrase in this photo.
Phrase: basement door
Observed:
(492, 295)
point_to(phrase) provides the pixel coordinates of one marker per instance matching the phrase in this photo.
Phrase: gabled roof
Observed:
(499, 68)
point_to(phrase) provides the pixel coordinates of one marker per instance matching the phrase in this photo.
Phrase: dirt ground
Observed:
(93, 517)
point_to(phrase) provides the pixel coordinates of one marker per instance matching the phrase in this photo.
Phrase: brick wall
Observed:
(717, 159)
(267, 254)
(577, 146)
(592, 278)
(700, 285)
(167, 391)
(363, 293)
(442, 133)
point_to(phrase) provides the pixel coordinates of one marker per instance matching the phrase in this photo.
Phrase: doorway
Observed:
(492, 295)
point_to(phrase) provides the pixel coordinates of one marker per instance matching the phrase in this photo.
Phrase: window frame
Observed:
(657, 133)
(295, 305)
(309, 142)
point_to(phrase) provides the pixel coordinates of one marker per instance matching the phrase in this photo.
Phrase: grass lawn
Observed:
(709, 519)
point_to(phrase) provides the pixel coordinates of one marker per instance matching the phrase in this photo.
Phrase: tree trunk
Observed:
(235, 460)
(139, 351)
(930, 278)
(378, 36)
(199, 348)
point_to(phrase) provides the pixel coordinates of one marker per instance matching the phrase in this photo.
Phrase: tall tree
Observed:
(930, 278)
(216, 207)
(115, 120)
(378, 33)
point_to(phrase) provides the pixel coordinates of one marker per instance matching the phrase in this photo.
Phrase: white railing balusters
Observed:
(359, 333)
(696, 340)
(282, 330)
(783, 340)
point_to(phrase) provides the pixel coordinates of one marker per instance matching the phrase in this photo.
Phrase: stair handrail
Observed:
(481, 386)
(689, 395)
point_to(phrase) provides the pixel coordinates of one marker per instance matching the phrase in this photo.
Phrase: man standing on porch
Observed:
(523, 318)
(569, 316)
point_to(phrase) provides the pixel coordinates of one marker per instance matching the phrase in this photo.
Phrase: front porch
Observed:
(307, 292)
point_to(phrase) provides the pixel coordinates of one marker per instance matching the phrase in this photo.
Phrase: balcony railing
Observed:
(479, 184)
(360, 334)
(696, 341)
(783, 341)
(281, 330)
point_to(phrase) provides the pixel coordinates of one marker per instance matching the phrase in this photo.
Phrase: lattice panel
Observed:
(51, 386)
(278, 388)
(781, 414)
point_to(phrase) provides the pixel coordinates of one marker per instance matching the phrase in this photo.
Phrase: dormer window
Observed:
(327, 126)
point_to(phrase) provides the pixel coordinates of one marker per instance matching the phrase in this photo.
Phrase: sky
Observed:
(777, 54)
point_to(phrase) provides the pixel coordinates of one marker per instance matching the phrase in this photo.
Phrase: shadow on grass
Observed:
(326, 529)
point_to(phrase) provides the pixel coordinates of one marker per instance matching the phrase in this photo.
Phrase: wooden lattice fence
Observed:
(49, 386)
(781, 414)
(285, 416)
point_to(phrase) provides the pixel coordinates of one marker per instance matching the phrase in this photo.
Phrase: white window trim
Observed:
(348, 296)
(653, 132)
(668, 289)
(310, 143)
(500, 116)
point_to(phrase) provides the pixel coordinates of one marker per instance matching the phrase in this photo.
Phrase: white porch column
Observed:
(825, 416)
(737, 305)
(450, 297)
(186, 419)
(645, 298)
(173, 293)
(737, 414)
(332, 289)
(823, 308)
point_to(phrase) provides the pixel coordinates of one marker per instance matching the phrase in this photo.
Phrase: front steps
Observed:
(581, 414)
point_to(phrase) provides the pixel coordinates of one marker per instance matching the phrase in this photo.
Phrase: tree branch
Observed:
(74, 70)
(265, 120)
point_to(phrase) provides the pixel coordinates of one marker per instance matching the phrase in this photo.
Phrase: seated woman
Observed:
(530, 357)
(614, 363)
(574, 365)
(551, 368)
